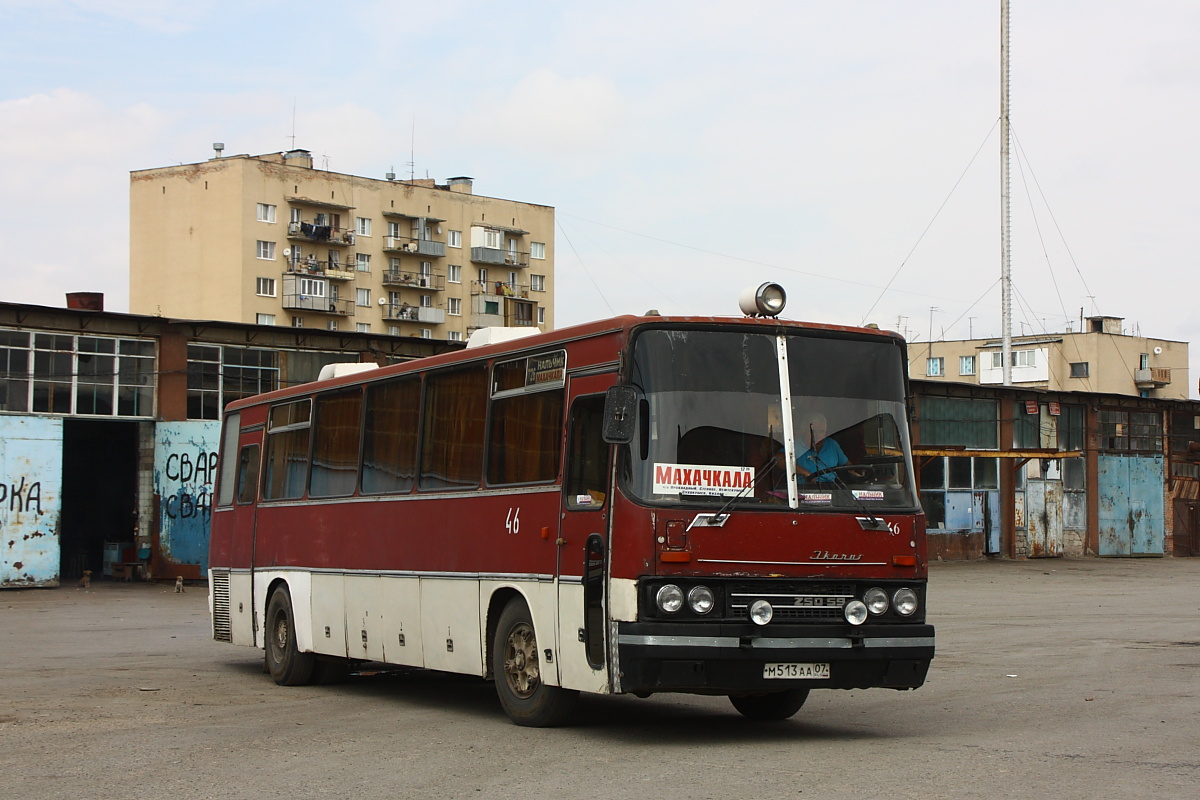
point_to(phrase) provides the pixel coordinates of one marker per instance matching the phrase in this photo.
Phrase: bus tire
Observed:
(330, 670)
(517, 671)
(771, 706)
(287, 665)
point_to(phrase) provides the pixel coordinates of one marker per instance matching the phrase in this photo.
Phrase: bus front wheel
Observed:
(287, 665)
(516, 668)
(772, 706)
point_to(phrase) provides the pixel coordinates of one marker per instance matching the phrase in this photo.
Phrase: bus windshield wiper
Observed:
(873, 522)
(717, 519)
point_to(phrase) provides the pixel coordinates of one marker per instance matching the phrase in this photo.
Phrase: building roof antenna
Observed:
(293, 136)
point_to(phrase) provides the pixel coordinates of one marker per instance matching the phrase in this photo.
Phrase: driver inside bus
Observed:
(822, 453)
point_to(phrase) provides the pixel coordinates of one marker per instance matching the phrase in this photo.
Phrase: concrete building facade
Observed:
(1101, 359)
(270, 240)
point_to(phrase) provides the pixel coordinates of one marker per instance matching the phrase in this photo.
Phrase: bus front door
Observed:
(583, 540)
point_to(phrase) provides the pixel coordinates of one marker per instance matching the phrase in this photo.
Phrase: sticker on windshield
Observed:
(868, 495)
(816, 497)
(703, 479)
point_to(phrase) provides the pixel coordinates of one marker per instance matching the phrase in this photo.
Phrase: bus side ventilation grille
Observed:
(222, 623)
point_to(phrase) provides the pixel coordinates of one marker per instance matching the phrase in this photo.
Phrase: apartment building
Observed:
(1102, 359)
(271, 240)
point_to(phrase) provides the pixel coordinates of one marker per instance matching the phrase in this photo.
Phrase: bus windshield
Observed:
(800, 419)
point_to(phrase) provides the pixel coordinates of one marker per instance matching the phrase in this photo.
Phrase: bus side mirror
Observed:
(620, 414)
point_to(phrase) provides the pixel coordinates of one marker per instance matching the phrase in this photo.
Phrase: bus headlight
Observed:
(905, 602)
(876, 600)
(669, 599)
(701, 599)
(856, 612)
(761, 612)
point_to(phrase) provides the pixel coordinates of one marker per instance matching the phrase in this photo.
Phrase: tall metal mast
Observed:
(1005, 216)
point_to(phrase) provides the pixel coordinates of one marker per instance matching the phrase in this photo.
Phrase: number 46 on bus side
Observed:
(512, 520)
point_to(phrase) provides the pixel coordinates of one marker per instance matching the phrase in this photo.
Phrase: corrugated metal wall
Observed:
(30, 500)
(185, 462)
(1131, 505)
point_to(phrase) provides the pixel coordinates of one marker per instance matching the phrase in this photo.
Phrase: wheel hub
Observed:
(521, 669)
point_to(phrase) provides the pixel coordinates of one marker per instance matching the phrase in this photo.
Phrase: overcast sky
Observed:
(690, 149)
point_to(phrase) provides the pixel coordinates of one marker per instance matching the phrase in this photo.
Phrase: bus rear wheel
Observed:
(516, 668)
(771, 706)
(287, 665)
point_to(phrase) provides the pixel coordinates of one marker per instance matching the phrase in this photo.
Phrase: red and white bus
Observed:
(617, 507)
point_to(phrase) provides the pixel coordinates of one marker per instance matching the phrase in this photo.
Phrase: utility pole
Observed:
(1005, 211)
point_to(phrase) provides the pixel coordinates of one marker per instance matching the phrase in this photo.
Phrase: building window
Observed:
(362, 226)
(959, 422)
(393, 330)
(295, 216)
(394, 230)
(935, 367)
(537, 249)
(454, 273)
(454, 239)
(426, 333)
(537, 283)
(266, 250)
(333, 324)
(1144, 361)
(265, 287)
(297, 322)
(455, 336)
(362, 262)
(362, 298)
(312, 287)
(1079, 369)
(362, 327)
(966, 365)
(426, 301)
(492, 239)
(266, 212)
(541, 316)
(955, 475)
(483, 277)
(64, 374)
(1018, 358)
(219, 375)
(1131, 430)
(454, 307)
(264, 319)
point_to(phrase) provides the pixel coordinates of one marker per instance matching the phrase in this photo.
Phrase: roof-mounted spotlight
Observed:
(767, 300)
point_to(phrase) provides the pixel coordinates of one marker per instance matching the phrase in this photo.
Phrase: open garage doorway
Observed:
(99, 495)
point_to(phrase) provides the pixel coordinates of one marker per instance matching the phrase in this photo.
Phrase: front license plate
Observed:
(796, 671)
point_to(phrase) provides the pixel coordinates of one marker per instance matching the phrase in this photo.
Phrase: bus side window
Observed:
(587, 455)
(247, 474)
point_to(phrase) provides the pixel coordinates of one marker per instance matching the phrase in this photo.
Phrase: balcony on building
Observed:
(501, 289)
(403, 312)
(321, 234)
(322, 305)
(414, 280)
(1152, 378)
(495, 255)
(498, 244)
(311, 265)
(421, 242)
(408, 244)
(519, 313)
